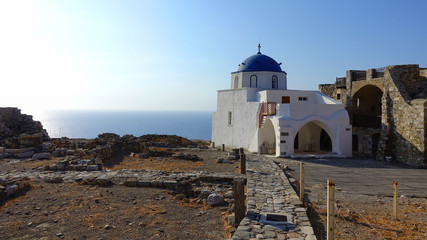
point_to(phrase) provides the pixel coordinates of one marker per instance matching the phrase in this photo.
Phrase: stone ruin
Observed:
(388, 112)
(19, 130)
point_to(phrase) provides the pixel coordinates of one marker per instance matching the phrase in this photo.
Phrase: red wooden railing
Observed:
(267, 109)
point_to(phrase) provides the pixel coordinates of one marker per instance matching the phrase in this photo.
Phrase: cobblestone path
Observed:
(274, 211)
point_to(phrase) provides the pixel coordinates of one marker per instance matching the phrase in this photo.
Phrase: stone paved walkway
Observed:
(274, 211)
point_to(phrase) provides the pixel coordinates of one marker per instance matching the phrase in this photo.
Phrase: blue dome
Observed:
(259, 62)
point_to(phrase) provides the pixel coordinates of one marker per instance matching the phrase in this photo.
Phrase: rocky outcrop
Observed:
(19, 130)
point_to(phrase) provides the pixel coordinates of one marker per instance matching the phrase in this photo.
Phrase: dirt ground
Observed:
(208, 164)
(73, 211)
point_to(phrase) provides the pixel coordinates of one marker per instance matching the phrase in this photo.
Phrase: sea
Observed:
(89, 124)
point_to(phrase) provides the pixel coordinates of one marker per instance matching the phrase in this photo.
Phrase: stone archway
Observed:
(313, 137)
(366, 107)
(267, 138)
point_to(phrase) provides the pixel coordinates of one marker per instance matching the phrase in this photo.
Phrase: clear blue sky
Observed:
(175, 55)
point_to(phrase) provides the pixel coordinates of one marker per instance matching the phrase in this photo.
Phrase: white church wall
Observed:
(323, 99)
(344, 138)
(264, 79)
(242, 129)
(302, 110)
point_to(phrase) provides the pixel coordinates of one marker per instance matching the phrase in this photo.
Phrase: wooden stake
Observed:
(242, 163)
(395, 200)
(223, 147)
(239, 200)
(330, 210)
(301, 181)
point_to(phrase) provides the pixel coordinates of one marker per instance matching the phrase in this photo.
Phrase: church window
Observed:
(236, 82)
(286, 99)
(230, 118)
(254, 81)
(338, 96)
(274, 82)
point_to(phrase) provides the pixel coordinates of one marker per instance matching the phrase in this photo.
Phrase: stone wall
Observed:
(365, 140)
(403, 117)
(403, 133)
(19, 130)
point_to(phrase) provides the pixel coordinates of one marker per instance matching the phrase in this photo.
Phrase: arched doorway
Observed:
(267, 138)
(325, 141)
(366, 107)
(313, 138)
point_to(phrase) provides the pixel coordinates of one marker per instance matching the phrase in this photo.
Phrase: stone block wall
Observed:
(365, 139)
(403, 117)
(328, 89)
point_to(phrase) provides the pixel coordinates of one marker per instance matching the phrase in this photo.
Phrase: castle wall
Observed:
(403, 117)
(403, 131)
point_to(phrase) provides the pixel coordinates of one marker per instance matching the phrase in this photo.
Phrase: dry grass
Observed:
(227, 227)
(192, 203)
(149, 209)
(92, 220)
(377, 224)
(30, 164)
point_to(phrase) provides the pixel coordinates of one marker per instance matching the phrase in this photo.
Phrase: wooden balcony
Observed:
(267, 109)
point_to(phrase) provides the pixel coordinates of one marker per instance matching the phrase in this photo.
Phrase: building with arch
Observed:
(388, 111)
(261, 115)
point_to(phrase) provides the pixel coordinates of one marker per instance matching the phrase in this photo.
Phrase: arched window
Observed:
(274, 82)
(254, 81)
(236, 82)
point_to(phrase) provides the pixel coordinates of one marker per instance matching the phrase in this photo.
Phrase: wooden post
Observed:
(242, 163)
(239, 200)
(241, 151)
(395, 200)
(330, 210)
(301, 181)
(223, 147)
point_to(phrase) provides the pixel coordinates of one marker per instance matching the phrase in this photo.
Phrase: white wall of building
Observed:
(243, 128)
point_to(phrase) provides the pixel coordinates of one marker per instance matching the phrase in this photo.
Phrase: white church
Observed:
(260, 114)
